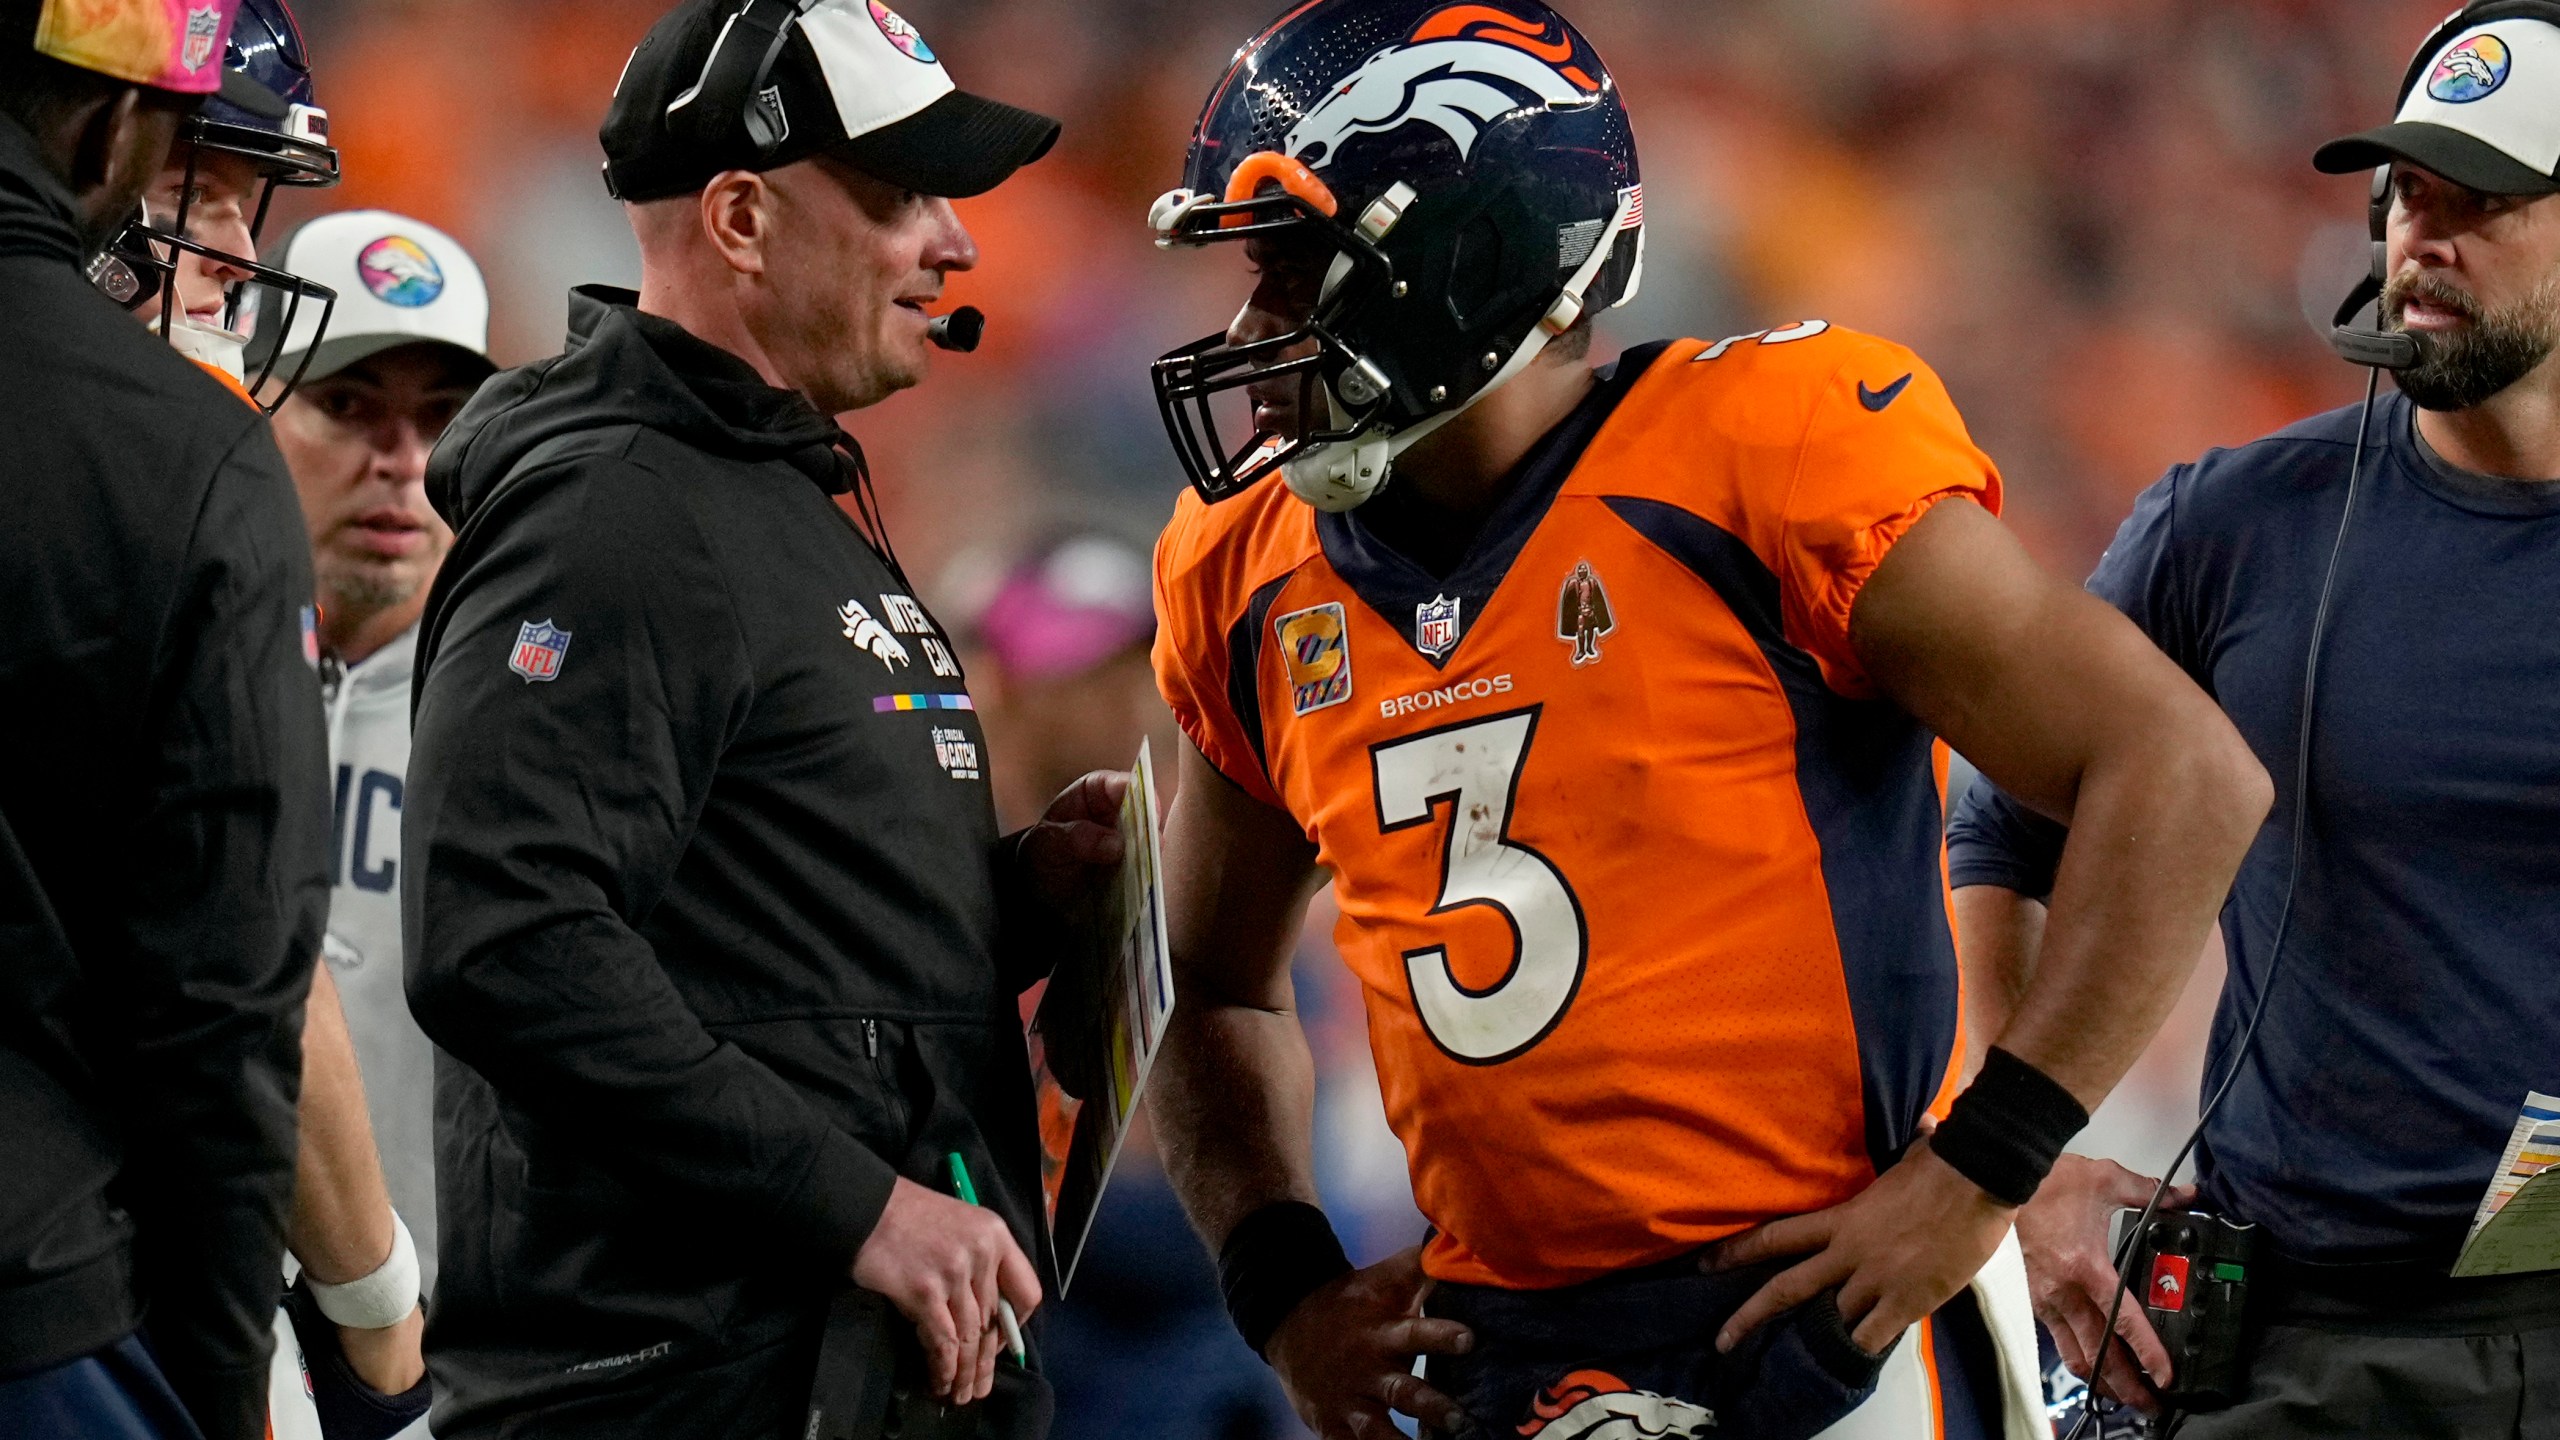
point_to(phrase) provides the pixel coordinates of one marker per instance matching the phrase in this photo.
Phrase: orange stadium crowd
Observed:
(2096, 218)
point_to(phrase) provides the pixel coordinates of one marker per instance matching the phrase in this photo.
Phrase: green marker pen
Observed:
(1012, 1323)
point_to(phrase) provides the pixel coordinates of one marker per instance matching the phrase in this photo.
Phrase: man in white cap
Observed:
(2391, 933)
(707, 909)
(405, 348)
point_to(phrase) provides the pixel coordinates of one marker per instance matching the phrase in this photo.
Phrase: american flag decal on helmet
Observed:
(1633, 198)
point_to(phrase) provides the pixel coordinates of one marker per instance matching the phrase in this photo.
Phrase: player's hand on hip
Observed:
(2071, 1274)
(944, 1265)
(1077, 841)
(1345, 1355)
(1896, 1251)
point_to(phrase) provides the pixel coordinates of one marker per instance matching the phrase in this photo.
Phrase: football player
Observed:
(1607, 701)
(188, 263)
(347, 1363)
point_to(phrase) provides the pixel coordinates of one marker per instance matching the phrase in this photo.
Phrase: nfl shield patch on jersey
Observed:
(1315, 648)
(1436, 626)
(540, 646)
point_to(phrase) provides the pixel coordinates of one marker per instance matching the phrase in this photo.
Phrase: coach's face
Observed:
(851, 267)
(2475, 280)
(357, 443)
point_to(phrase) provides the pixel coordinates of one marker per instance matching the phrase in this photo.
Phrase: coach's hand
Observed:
(1345, 1355)
(944, 1265)
(1896, 1251)
(1077, 842)
(2072, 1275)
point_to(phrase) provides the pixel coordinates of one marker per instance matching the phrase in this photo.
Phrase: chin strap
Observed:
(1347, 474)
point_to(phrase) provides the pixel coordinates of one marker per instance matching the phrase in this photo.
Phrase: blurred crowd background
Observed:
(2096, 218)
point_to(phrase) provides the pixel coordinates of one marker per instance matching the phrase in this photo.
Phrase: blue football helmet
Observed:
(1471, 171)
(289, 147)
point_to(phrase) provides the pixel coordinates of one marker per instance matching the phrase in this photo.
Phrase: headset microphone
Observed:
(961, 330)
(2375, 349)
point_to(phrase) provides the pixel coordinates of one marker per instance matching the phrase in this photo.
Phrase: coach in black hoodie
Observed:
(163, 812)
(705, 900)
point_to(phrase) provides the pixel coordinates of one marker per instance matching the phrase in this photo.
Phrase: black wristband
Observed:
(1274, 1258)
(2006, 1129)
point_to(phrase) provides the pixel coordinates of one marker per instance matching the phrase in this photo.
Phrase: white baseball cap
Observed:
(848, 78)
(399, 282)
(2482, 109)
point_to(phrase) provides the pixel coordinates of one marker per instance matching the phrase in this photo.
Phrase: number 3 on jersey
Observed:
(1475, 768)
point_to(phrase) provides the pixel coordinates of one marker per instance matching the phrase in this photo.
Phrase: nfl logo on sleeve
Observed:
(539, 648)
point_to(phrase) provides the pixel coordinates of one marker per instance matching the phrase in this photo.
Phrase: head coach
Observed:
(2399, 914)
(705, 902)
(163, 793)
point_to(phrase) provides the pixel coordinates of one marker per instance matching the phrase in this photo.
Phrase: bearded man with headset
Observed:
(2406, 879)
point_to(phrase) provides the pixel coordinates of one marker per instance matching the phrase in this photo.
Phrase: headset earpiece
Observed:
(2378, 348)
(733, 87)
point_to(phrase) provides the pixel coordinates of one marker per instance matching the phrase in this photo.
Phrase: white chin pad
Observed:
(1341, 477)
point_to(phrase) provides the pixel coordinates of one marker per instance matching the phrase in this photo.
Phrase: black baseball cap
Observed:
(852, 80)
(2483, 111)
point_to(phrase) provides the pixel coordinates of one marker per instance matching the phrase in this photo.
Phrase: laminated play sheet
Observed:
(2517, 1228)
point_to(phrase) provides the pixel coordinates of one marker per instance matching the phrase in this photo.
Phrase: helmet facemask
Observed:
(141, 266)
(1341, 396)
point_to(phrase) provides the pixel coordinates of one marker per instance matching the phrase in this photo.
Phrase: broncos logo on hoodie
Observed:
(871, 635)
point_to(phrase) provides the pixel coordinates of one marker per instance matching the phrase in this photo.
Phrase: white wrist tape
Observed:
(381, 1299)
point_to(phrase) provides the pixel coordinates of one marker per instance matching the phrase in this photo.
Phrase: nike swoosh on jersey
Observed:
(1876, 400)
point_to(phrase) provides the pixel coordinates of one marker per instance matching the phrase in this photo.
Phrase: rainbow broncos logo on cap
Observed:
(900, 33)
(399, 271)
(2472, 70)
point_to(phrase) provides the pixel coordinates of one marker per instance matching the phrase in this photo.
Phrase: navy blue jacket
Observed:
(2418, 998)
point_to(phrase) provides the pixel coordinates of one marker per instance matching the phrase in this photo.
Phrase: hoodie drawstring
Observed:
(866, 500)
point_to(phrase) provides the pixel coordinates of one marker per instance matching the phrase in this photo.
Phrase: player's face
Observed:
(219, 209)
(357, 443)
(854, 264)
(2475, 279)
(1288, 276)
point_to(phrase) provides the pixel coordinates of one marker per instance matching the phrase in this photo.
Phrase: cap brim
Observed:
(2466, 160)
(958, 146)
(341, 352)
(249, 95)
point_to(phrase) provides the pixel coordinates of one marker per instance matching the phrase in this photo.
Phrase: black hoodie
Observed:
(164, 823)
(701, 896)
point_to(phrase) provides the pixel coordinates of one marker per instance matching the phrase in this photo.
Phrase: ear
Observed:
(118, 149)
(737, 218)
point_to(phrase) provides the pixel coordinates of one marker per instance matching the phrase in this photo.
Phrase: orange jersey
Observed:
(1643, 885)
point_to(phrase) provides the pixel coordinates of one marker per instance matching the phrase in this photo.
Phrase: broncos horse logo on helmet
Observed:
(1473, 171)
(1446, 78)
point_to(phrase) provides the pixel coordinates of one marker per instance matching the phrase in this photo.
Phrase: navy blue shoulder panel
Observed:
(1244, 668)
(1868, 777)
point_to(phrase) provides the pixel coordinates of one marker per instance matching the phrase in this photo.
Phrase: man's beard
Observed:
(367, 589)
(2491, 351)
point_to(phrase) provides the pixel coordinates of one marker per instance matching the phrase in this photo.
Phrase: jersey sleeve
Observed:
(1206, 652)
(2140, 575)
(1883, 444)
(1994, 840)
